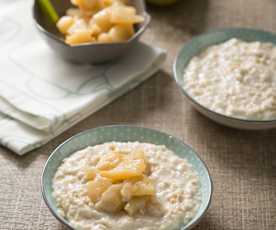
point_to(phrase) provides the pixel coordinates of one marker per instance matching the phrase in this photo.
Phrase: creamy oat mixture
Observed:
(176, 185)
(235, 78)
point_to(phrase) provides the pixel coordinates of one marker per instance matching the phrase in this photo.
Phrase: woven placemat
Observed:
(242, 163)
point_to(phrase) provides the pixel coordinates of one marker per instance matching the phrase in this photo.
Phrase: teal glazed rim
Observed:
(125, 133)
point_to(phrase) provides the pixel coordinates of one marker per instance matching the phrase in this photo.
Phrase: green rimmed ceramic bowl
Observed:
(200, 43)
(125, 133)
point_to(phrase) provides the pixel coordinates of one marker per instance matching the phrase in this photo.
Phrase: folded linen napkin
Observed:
(41, 95)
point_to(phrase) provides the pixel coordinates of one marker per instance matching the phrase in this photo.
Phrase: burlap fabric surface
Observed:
(242, 163)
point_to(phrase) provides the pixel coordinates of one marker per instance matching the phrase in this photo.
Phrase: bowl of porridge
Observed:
(125, 177)
(229, 75)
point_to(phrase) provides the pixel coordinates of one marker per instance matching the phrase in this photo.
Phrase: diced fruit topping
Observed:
(110, 161)
(138, 188)
(111, 200)
(136, 205)
(121, 32)
(90, 173)
(106, 21)
(139, 154)
(105, 3)
(81, 36)
(97, 187)
(124, 15)
(143, 188)
(102, 20)
(65, 23)
(119, 182)
(127, 169)
(87, 5)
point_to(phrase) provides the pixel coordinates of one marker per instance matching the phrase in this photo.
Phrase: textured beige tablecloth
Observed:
(243, 164)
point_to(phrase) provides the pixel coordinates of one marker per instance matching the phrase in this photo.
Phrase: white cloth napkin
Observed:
(41, 95)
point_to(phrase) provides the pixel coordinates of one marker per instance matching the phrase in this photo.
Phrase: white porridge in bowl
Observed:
(125, 186)
(235, 78)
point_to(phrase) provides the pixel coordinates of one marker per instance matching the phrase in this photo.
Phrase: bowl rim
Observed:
(182, 50)
(137, 34)
(188, 226)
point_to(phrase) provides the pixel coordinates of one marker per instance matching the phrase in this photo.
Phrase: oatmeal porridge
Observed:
(235, 78)
(132, 185)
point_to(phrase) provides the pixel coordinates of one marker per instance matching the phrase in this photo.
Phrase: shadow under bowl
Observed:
(124, 133)
(200, 43)
(92, 53)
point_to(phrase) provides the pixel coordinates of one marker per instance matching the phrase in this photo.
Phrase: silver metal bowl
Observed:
(86, 53)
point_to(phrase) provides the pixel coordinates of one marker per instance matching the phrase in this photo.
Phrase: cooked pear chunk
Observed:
(81, 36)
(118, 181)
(105, 3)
(87, 5)
(121, 14)
(104, 38)
(126, 191)
(97, 187)
(144, 187)
(136, 205)
(110, 161)
(139, 154)
(74, 12)
(107, 21)
(111, 200)
(102, 19)
(90, 173)
(127, 169)
(121, 33)
(65, 23)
